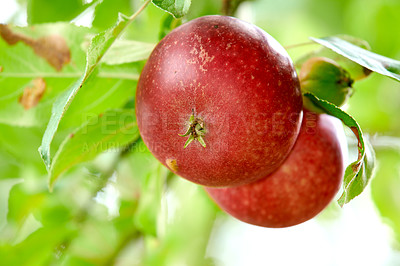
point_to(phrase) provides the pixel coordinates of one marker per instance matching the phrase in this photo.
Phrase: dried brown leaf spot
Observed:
(32, 94)
(52, 48)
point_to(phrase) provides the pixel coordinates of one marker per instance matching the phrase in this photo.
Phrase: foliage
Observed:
(358, 173)
(115, 204)
(372, 61)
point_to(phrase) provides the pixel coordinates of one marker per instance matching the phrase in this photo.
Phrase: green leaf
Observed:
(177, 8)
(107, 11)
(111, 130)
(19, 146)
(355, 182)
(5, 188)
(21, 65)
(377, 63)
(102, 93)
(357, 72)
(127, 51)
(40, 11)
(21, 203)
(358, 173)
(98, 47)
(9, 165)
(146, 217)
(39, 247)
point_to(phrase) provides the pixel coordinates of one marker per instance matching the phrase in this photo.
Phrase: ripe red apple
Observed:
(218, 102)
(301, 187)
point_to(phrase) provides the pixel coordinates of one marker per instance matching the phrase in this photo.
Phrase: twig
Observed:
(132, 18)
(385, 142)
(298, 45)
(229, 7)
(122, 244)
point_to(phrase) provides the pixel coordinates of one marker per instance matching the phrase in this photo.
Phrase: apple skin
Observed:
(239, 81)
(301, 187)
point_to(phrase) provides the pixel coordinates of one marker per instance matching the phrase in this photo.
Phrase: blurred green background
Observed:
(123, 208)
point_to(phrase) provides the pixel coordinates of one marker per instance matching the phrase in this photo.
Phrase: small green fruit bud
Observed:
(325, 79)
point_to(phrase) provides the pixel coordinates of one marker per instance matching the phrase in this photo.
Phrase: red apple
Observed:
(232, 89)
(302, 186)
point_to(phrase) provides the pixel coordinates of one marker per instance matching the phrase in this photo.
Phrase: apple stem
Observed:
(296, 45)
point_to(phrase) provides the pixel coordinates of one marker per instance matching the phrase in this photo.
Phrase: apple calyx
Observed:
(195, 131)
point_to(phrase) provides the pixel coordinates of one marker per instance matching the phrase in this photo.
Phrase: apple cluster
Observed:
(219, 103)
